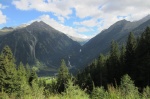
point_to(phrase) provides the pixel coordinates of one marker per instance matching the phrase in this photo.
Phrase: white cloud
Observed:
(105, 10)
(83, 29)
(88, 23)
(2, 6)
(55, 6)
(61, 19)
(85, 8)
(2, 16)
(109, 10)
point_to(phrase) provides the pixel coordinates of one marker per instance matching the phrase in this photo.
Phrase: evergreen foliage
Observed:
(130, 55)
(15, 80)
(122, 59)
(74, 92)
(146, 93)
(113, 66)
(63, 76)
(8, 72)
(143, 59)
(98, 93)
(132, 59)
(128, 88)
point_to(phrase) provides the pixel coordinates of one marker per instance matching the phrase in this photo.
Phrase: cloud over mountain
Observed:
(2, 16)
(98, 14)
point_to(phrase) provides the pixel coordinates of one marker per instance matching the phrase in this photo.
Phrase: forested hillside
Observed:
(132, 59)
(118, 32)
(122, 74)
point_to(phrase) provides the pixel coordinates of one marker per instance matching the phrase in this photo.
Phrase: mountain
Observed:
(43, 47)
(7, 28)
(119, 32)
(40, 43)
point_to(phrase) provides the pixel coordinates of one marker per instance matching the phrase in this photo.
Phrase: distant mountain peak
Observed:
(7, 28)
(39, 25)
(124, 21)
(21, 26)
(41, 22)
(121, 23)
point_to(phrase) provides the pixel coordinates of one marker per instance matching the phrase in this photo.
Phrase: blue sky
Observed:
(79, 18)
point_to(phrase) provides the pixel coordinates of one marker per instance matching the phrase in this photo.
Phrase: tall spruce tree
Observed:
(143, 59)
(8, 72)
(28, 71)
(122, 59)
(33, 78)
(63, 76)
(130, 55)
(23, 86)
(101, 69)
(113, 67)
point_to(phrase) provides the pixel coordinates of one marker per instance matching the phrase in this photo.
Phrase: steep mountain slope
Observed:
(118, 32)
(41, 42)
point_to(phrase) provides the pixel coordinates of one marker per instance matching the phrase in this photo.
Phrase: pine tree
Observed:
(28, 71)
(130, 55)
(101, 71)
(89, 83)
(143, 59)
(23, 86)
(63, 76)
(21, 71)
(122, 59)
(73, 91)
(2, 74)
(8, 71)
(33, 78)
(128, 89)
(113, 67)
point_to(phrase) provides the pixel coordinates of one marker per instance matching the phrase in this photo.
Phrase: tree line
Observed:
(132, 58)
(15, 79)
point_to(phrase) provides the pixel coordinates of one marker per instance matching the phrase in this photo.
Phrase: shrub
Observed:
(98, 93)
(146, 93)
(128, 89)
(73, 92)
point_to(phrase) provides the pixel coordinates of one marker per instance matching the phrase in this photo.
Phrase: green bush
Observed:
(98, 93)
(146, 93)
(128, 89)
(4, 96)
(73, 92)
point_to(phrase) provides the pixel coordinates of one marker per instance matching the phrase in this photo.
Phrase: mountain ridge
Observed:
(39, 42)
(119, 32)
